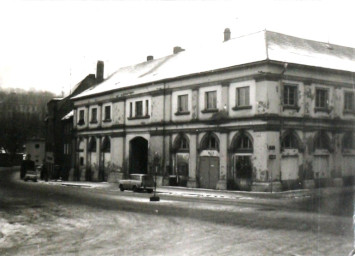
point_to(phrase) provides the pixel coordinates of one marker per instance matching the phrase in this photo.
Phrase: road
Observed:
(42, 219)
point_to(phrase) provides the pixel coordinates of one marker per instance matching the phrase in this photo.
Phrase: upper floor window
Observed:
(290, 95)
(242, 97)
(349, 102)
(107, 113)
(211, 100)
(139, 109)
(94, 115)
(81, 117)
(322, 98)
(183, 103)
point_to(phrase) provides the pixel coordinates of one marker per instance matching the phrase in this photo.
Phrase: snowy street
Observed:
(42, 219)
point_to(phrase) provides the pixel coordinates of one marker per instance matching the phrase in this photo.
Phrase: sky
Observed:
(53, 45)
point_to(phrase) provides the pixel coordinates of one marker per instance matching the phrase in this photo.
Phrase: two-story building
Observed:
(265, 111)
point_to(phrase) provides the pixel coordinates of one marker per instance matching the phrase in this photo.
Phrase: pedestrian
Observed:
(26, 164)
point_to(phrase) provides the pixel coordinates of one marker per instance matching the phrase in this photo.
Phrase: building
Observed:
(265, 111)
(36, 148)
(59, 124)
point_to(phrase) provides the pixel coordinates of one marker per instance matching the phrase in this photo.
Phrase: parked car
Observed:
(137, 182)
(31, 174)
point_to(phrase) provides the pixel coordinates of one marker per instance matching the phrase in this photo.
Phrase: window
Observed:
(107, 113)
(81, 161)
(92, 145)
(322, 98)
(290, 95)
(146, 107)
(106, 145)
(183, 103)
(349, 102)
(94, 115)
(81, 117)
(211, 100)
(290, 141)
(210, 142)
(348, 141)
(130, 109)
(321, 141)
(242, 96)
(139, 108)
(37, 146)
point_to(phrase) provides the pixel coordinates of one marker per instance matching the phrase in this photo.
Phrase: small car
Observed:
(31, 175)
(137, 182)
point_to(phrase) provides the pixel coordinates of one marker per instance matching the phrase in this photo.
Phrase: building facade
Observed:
(59, 125)
(262, 112)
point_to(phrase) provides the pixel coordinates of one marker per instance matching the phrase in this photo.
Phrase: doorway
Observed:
(138, 155)
(209, 172)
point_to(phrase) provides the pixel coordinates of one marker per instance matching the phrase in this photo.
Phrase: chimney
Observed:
(150, 57)
(100, 71)
(227, 34)
(178, 49)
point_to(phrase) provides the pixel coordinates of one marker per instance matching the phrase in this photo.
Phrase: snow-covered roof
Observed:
(260, 46)
(69, 115)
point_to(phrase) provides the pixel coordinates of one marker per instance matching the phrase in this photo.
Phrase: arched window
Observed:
(322, 141)
(106, 145)
(348, 141)
(242, 143)
(181, 143)
(92, 145)
(289, 141)
(210, 142)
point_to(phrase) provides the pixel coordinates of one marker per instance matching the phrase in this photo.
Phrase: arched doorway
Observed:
(209, 161)
(290, 159)
(181, 149)
(105, 158)
(138, 155)
(242, 149)
(321, 155)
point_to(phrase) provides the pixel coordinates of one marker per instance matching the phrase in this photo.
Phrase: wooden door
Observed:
(209, 172)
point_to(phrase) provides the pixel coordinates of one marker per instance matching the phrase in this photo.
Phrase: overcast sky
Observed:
(52, 45)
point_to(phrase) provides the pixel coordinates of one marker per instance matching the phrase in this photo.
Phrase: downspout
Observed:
(164, 111)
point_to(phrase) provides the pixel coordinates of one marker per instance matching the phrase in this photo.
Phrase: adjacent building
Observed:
(265, 111)
(59, 156)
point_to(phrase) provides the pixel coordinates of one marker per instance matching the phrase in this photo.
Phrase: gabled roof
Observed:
(256, 47)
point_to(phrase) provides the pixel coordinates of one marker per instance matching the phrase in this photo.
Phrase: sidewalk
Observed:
(210, 193)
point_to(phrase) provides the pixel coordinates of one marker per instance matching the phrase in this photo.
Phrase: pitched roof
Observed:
(260, 46)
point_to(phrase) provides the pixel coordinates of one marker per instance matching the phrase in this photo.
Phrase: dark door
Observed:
(138, 155)
(209, 172)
